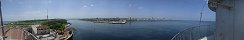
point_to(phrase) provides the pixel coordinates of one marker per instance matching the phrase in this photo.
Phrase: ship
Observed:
(118, 22)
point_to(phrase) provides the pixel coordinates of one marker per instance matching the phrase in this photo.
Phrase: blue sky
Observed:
(172, 9)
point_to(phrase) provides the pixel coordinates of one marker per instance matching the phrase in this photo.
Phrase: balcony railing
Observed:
(195, 33)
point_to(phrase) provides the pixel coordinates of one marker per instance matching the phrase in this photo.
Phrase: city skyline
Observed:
(36, 9)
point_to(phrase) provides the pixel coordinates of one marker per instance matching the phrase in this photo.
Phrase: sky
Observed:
(170, 9)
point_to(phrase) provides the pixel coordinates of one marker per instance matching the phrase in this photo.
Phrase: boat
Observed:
(118, 22)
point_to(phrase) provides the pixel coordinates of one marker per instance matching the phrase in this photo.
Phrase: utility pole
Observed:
(1, 16)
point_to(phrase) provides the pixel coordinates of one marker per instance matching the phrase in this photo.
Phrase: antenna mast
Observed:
(47, 13)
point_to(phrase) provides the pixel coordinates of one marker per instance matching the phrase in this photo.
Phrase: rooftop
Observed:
(14, 33)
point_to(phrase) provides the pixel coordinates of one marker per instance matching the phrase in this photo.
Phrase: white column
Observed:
(225, 21)
(239, 20)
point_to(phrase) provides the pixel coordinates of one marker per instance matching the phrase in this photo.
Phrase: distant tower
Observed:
(47, 14)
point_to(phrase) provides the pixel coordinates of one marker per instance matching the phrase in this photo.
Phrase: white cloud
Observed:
(84, 5)
(92, 5)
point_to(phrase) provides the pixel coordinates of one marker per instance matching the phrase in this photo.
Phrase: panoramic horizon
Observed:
(121, 20)
(14, 10)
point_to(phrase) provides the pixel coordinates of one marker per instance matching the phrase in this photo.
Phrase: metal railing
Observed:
(195, 33)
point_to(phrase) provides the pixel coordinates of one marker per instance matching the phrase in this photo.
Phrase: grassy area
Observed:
(25, 23)
(56, 24)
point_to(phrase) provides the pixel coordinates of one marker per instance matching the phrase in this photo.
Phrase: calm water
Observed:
(139, 30)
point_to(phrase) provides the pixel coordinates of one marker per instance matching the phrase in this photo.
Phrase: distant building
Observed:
(42, 30)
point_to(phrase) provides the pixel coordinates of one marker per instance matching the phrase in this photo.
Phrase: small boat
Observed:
(118, 22)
